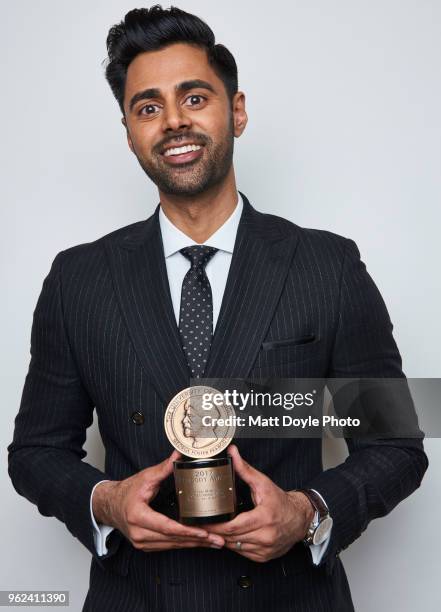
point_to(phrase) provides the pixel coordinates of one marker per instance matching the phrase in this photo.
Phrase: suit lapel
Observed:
(262, 255)
(140, 274)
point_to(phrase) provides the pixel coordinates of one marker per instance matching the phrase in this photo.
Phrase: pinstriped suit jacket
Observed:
(104, 337)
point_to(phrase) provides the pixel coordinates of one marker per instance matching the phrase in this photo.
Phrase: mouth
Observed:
(184, 154)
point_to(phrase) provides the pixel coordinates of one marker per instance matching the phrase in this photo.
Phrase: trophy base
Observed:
(205, 490)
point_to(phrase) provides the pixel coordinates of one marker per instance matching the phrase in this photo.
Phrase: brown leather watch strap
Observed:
(317, 501)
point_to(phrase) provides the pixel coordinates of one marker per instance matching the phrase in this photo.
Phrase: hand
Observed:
(279, 520)
(124, 504)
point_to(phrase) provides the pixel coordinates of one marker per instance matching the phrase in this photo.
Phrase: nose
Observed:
(175, 118)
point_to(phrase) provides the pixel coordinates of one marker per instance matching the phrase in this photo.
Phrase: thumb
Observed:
(248, 474)
(165, 468)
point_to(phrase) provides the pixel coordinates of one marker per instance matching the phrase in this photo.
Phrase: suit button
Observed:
(137, 418)
(244, 582)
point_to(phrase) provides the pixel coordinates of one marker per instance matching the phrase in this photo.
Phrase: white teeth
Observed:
(180, 150)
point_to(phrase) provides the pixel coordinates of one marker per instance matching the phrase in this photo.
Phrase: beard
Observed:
(197, 176)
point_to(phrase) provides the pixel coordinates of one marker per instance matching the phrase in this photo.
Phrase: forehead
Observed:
(167, 67)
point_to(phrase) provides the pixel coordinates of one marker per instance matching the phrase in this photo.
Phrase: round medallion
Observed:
(199, 422)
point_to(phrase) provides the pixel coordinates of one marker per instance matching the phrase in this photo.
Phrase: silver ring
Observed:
(238, 545)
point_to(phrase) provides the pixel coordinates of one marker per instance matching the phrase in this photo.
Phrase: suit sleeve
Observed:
(45, 456)
(378, 473)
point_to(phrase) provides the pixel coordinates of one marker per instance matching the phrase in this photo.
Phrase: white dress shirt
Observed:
(217, 272)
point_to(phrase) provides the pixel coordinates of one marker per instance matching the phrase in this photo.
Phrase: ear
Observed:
(240, 117)
(129, 140)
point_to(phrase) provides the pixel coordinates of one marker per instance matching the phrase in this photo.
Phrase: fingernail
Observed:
(215, 546)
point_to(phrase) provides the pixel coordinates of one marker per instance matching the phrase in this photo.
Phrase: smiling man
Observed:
(114, 331)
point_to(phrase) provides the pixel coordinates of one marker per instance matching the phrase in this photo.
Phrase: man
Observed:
(112, 331)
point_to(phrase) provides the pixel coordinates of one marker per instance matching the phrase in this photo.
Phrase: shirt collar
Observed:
(223, 239)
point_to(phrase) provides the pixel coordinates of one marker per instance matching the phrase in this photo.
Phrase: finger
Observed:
(248, 473)
(251, 537)
(245, 547)
(147, 535)
(143, 536)
(246, 550)
(168, 544)
(241, 524)
(161, 471)
(168, 527)
(212, 538)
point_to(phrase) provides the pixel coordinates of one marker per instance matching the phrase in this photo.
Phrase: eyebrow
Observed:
(154, 92)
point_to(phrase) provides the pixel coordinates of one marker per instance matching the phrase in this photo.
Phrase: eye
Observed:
(196, 97)
(147, 108)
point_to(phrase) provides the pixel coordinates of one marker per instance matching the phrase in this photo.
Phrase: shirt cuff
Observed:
(318, 550)
(100, 532)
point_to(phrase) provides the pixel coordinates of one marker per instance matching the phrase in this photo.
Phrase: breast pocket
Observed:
(287, 350)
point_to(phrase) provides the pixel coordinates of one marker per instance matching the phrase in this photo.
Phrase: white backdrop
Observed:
(344, 134)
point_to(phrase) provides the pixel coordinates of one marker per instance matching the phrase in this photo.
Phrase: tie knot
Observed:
(198, 254)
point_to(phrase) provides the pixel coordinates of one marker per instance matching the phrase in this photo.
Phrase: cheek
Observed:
(142, 138)
(212, 122)
(224, 128)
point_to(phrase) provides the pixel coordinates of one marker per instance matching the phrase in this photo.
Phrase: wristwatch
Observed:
(321, 524)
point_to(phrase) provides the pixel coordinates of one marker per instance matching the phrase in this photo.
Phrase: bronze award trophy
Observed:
(201, 431)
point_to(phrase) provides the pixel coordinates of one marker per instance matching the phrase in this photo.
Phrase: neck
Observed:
(200, 216)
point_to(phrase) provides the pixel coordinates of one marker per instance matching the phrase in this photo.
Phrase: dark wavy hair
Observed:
(155, 28)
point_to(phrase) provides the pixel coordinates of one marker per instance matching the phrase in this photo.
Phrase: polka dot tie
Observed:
(196, 313)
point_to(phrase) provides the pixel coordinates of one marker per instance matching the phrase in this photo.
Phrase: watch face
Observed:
(322, 531)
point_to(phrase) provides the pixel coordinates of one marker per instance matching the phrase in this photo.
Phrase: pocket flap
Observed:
(288, 342)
